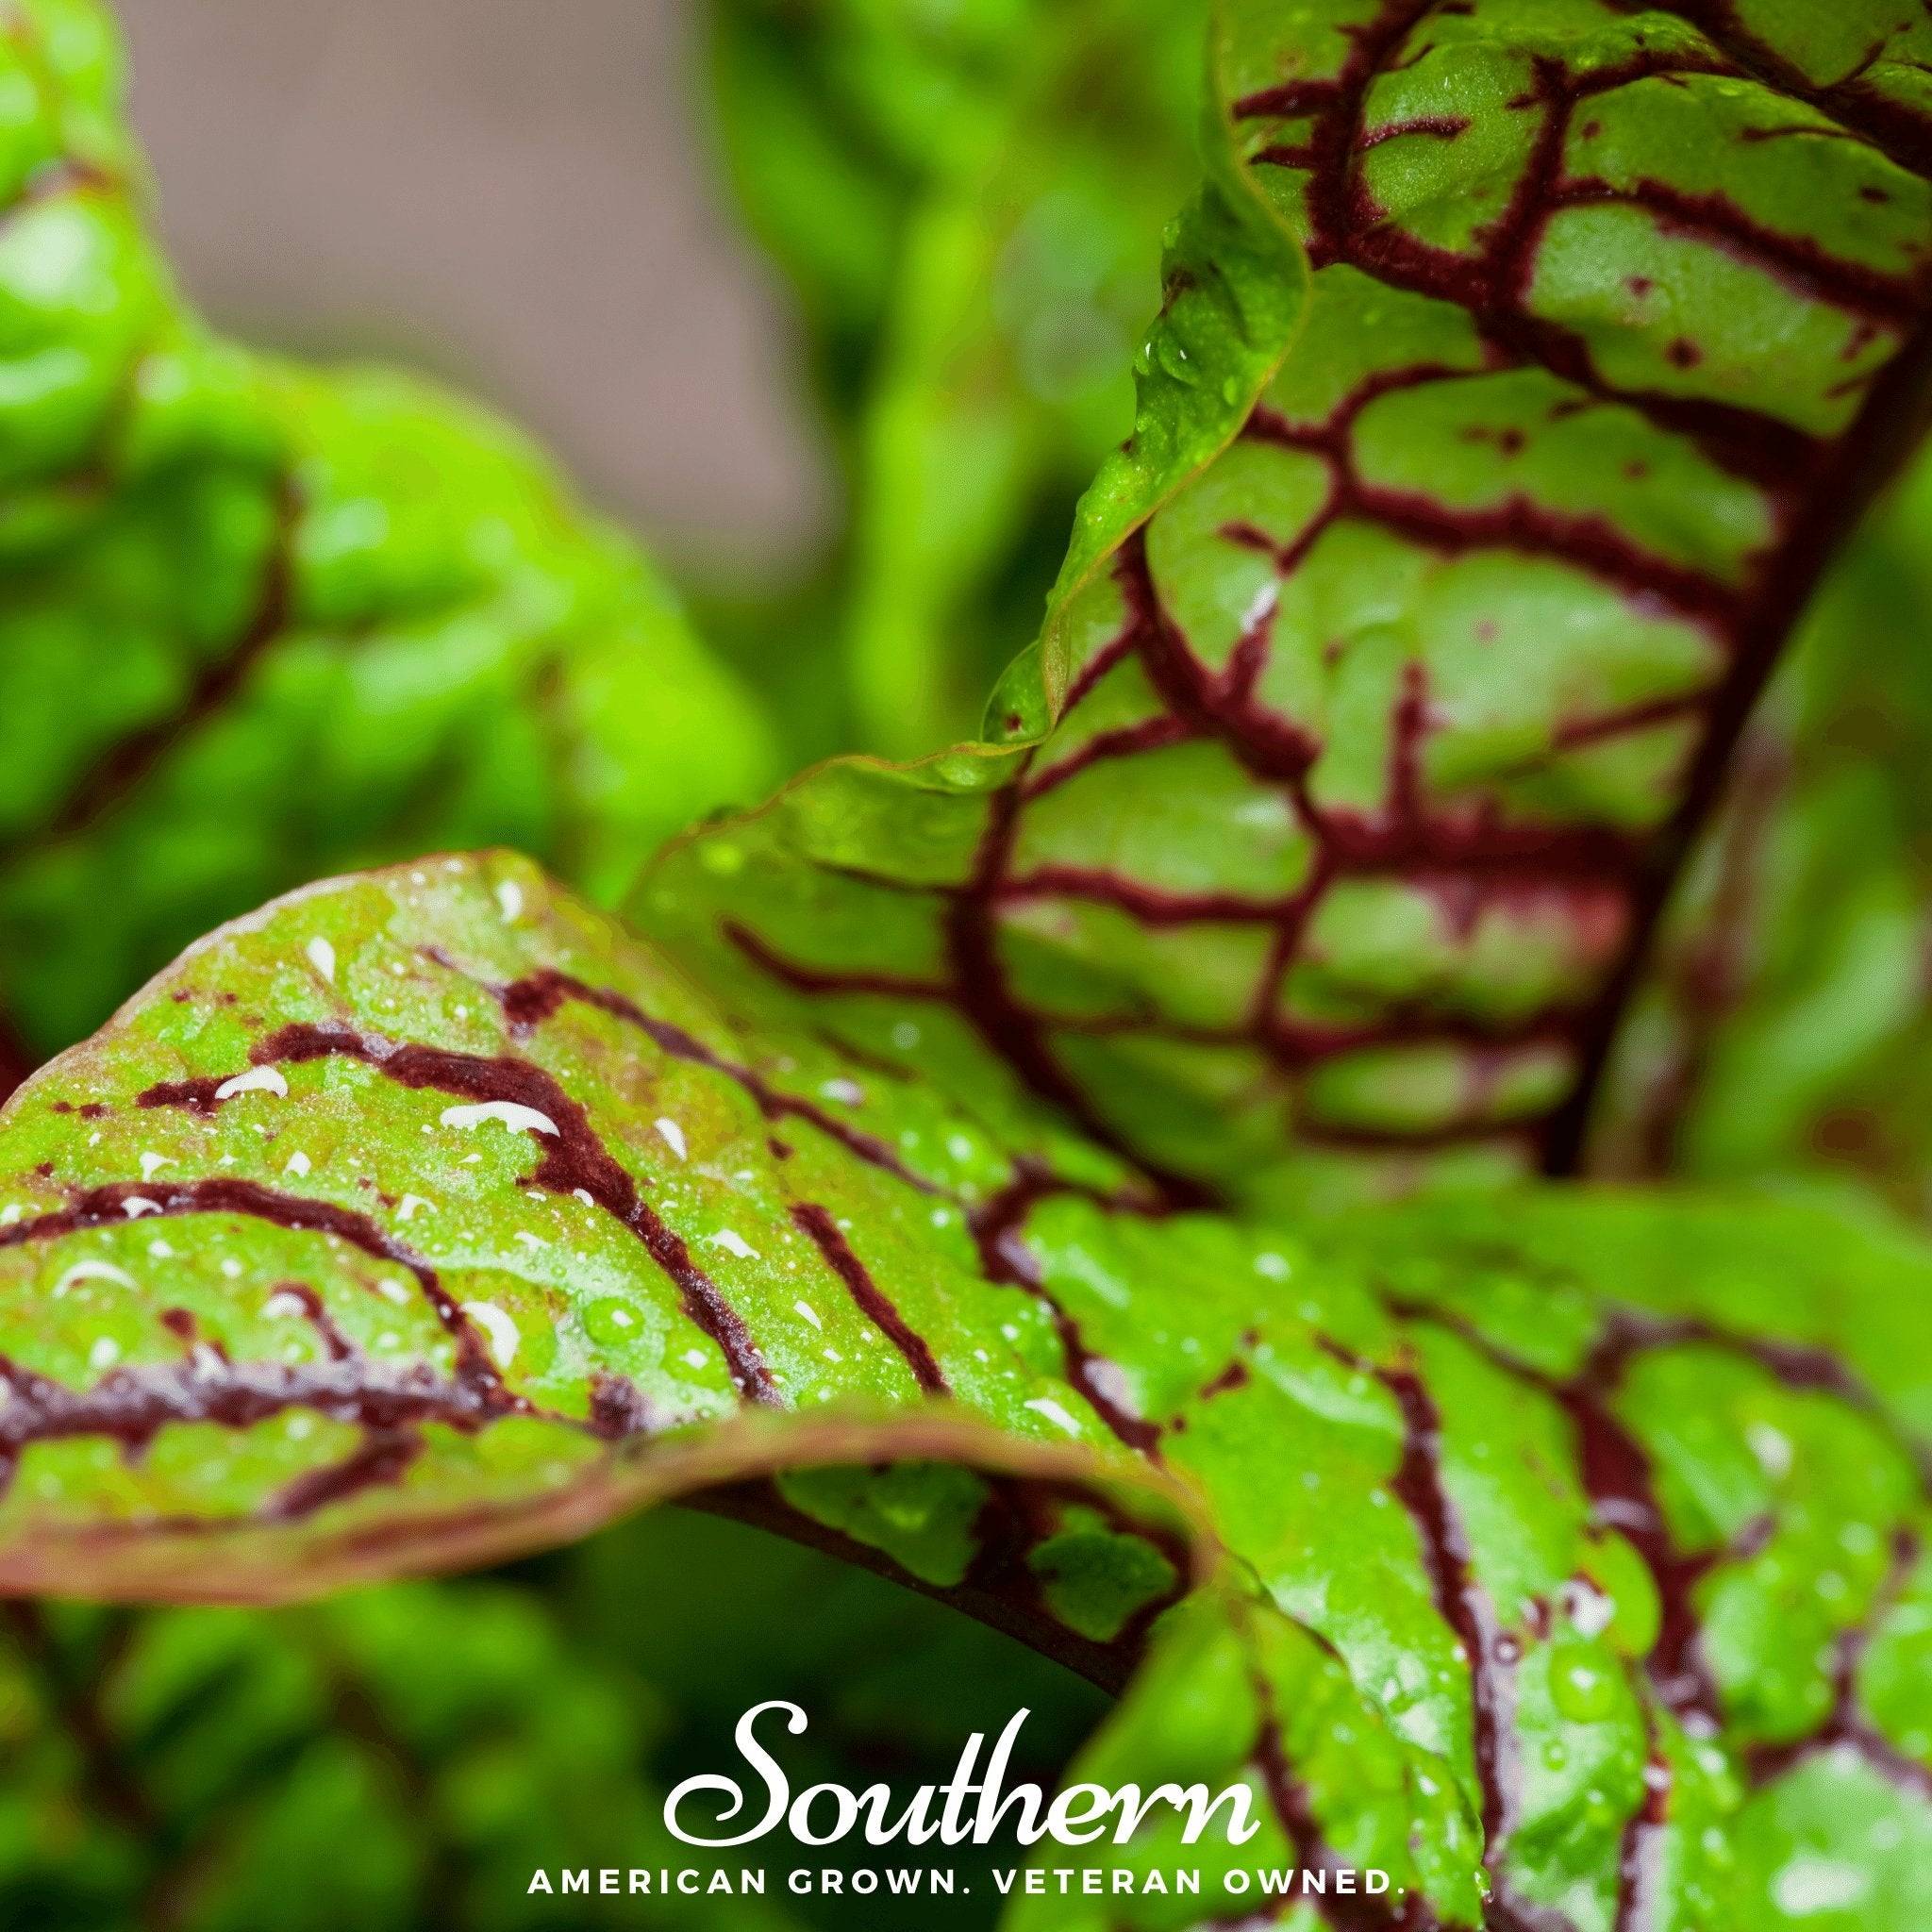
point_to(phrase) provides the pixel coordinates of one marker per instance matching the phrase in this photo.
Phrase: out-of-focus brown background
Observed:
(515, 194)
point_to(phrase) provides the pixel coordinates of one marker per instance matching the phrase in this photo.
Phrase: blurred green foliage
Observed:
(260, 622)
(967, 201)
(407, 1757)
(1785, 1024)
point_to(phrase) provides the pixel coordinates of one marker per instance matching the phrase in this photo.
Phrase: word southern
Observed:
(825, 1813)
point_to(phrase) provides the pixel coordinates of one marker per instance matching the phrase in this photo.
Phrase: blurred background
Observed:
(835, 304)
(526, 201)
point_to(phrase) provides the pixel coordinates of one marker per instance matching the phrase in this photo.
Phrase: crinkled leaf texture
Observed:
(494, 1331)
(259, 623)
(932, 1180)
(427, 1214)
(1399, 657)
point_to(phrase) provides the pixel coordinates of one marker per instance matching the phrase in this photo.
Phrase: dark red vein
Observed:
(998, 1231)
(1149, 905)
(1418, 1486)
(1846, 1723)
(871, 1301)
(1640, 1848)
(130, 761)
(107, 1207)
(131, 1406)
(1293, 1805)
(979, 990)
(1903, 138)
(382, 1459)
(827, 979)
(529, 1001)
(1461, 1603)
(574, 1159)
(1620, 1484)
(1151, 734)
(1796, 261)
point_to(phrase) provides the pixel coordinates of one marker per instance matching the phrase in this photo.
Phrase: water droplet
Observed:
(1581, 1687)
(1173, 360)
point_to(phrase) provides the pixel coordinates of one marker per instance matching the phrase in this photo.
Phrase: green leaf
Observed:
(1236, 288)
(409, 1298)
(1338, 797)
(426, 1215)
